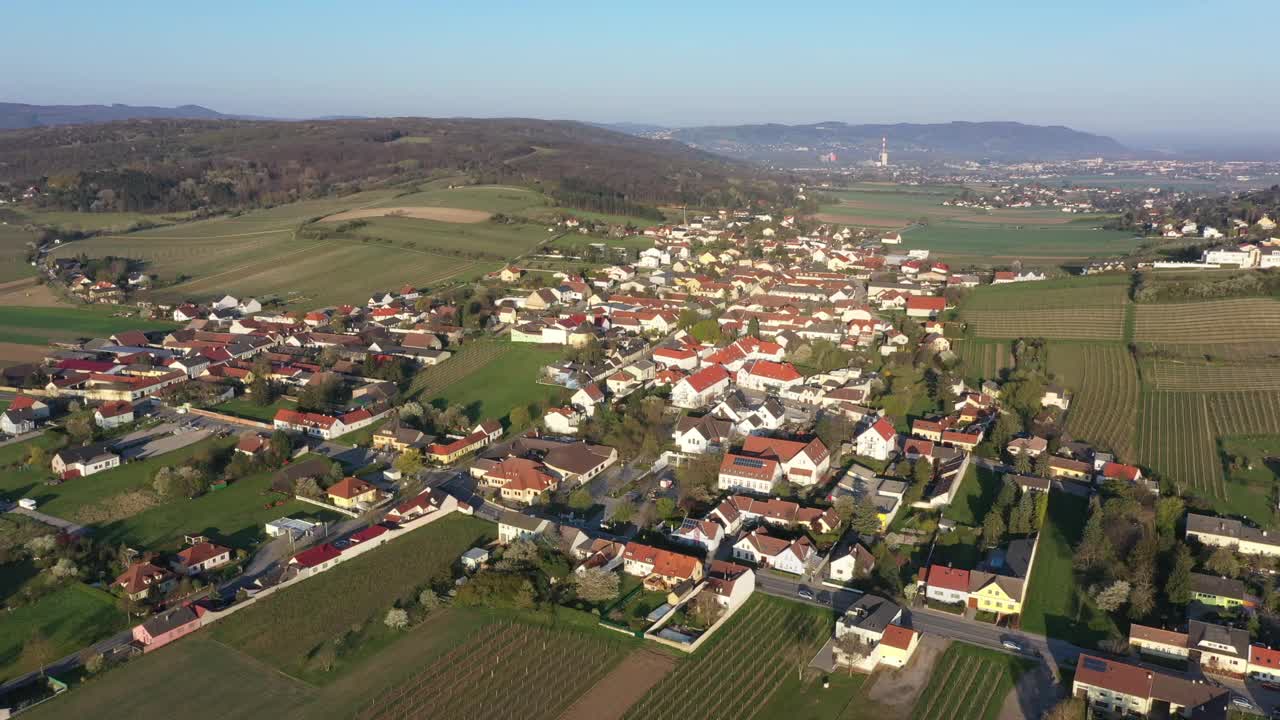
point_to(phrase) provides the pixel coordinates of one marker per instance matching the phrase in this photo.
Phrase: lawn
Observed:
(1055, 605)
(1251, 484)
(976, 495)
(70, 618)
(233, 516)
(245, 407)
(97, 497)
(285, 628)
(806, 699)
(504, 382)
(39, 325)
(726, 678)
(969, 683)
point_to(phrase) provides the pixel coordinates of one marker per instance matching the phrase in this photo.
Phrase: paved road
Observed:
(64, 525)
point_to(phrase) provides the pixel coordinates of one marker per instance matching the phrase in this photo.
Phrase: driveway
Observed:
(65, 526)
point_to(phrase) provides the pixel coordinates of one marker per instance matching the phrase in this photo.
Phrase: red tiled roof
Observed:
(919, 302)
(949, 578)
(200, 552)
(348, 488)
(316, 556)
(896, 636)
(707, 377)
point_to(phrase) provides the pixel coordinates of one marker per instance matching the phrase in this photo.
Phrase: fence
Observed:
(233, 419)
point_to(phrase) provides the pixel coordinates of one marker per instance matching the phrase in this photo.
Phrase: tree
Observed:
(580, 500)
(409, 462)
(1095, 549)
(1169, 510)
(781, 488)
(95, 663)
(326, 657)
(993, 528)
(1223, 562)
(308, 487)
(753, 327)
(1008, 493)
(410, 410)
(696, 480)
(665, 507)
(1022, 464)
(1112, 597)
(1178, 587)
(81, 427)
(1068, 709)
(865, 519)
(36, 456)
(597, 585)
(1007, 426)
(851, 649)
(519, 417)
(1042, 464)
(921, 473)
(844, 508)
(622, 513)
(396, 619)
(428, 600)
(1022, 519)
(64, 568)
(1142, 599)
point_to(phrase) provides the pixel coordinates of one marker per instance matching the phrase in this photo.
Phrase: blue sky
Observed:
(1131, 69)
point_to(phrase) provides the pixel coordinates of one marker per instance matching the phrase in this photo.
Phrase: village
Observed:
(751, 404)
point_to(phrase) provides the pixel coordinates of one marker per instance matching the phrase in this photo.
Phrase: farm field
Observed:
(493, 381)
(284, 629)
(1095, 323)
(983, 360)
(1053, 294)
(1104, 382)
(1192, 376)
(1055, 605)
(1247, 320)
(70, 618)
(969, 683)
(469, 240)
(1252, 478)
(1178, 440)
(39, 325)
(540, 670)
(808, 700)
(13, 253)
(981, 242)
(488, 198)
(233, 685)
(1215, 352)
(97, 221)
(725, 678)
(98, 499)
(1246, 413)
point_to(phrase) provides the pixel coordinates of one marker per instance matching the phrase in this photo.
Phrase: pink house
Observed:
(168, 626)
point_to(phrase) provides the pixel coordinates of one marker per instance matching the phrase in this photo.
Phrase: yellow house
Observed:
(1071, 469)
(995, 593)
(350, 492)
(896, 646)
(510, 273)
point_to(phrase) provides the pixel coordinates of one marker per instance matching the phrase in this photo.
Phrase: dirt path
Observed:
(610, 698)
(900, 689)
(442, 214)
(1034, 694)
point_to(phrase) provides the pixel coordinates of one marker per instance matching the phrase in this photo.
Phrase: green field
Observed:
(489, 378)
(976, 495)
(1245, 320)
(97, 221)
(101, 498)
(1093, 323)
(806, 699)
(975, 242)
(13, 253)
(284, 629)
(726, 677)
(983, 360)
(38, 326)
(1052, 294)
(1104, 407)
(247, 408)
(969, 683)
(1055, 605)
(70, 618)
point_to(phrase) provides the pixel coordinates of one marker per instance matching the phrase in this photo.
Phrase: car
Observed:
(1241, 701)
(805, 593)
(1270, 685)
(1011, 645)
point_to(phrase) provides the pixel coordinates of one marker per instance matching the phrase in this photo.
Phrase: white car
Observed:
(27, 504)
(1011, 645)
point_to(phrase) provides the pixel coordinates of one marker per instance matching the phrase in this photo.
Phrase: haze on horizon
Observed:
(1143, 72)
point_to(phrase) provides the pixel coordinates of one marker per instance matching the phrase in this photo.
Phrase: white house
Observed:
(763, 549)
(748, 473)
(700, 388)
(562, 420)
(705, 534)
(697, 435)
(877, 441)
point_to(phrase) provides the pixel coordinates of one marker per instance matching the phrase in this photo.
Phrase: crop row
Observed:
(1246, 413)
(432, 380)
(1067, 324)
(1245, 320)
(1178, 440)
(1199, 377)
(1104, 408)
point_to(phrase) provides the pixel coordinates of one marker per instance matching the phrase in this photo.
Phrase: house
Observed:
(562, 420)
(765, 375)
(947, 584)
(586, 398)
(253, 443)
(747, 473)
(1226, 532)
(1000, 587)
(1055, 396)
(868, 618)
(1060, 467)
(315, 560)
(83, 461)
(475, 558)
(765, 550)
(163, 628)
(925, 307)
(424, 503)
(351, 492)
(1217, 591)
(896, 646)
(697, 435)
(142, 581)
(113, 414)
(661, 569)
(1218, 649)
(521, 480)
(510, 274)
(729, 583)
(23, 415)
(399, 438)
(1158, 642)
(877, 440)
(578, 462)
(1114, 689)
(700, 388)
(850, 563)
(1032, 446)
(705, 534)
(518, 526)
(802, 463)
(201, 557)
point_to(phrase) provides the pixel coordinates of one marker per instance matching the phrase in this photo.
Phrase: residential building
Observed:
(113, 414)
(746, 473)
(763, 549)
(1116, 689)
(165, 627)
(351, 492)
(877, 441)
(518, 526)
(1217, 591)
(71, 463)
(1226, 532)
(144, 581)
(201, 557)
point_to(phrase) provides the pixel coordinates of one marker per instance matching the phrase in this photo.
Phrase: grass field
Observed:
(726, 677)
(97, 221)
(1054, 604)
(806, 699)
(489, 378)
(13, 253)
(975, 241)
(1104, 381)
(101, 498)
(969, 683)
(39, 325)
(1093, 323)
(70, 618)
(983, 360)
(1247, 320)
(976, 495)
(540, 670)
(285, 628)
(1054, 294)
(247, 408)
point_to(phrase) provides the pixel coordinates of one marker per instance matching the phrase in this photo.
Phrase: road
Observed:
(65, 526)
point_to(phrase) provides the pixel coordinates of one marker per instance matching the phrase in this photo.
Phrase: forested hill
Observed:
(954, 140)
(174, 165)
(15, 116)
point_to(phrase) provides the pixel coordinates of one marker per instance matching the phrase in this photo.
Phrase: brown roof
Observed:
(1114, 676)
(200, 552)
(1157, 635)
(348, 488)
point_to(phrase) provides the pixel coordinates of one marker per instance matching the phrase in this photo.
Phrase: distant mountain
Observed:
(632, 128)
(952, 141)
(15, 116)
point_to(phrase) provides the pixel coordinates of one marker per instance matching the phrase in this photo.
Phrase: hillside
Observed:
(16, 116)
(178, 165)
(954, 140)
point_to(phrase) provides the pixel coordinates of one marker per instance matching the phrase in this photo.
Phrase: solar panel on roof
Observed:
(1095, 664)
(749, 462)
